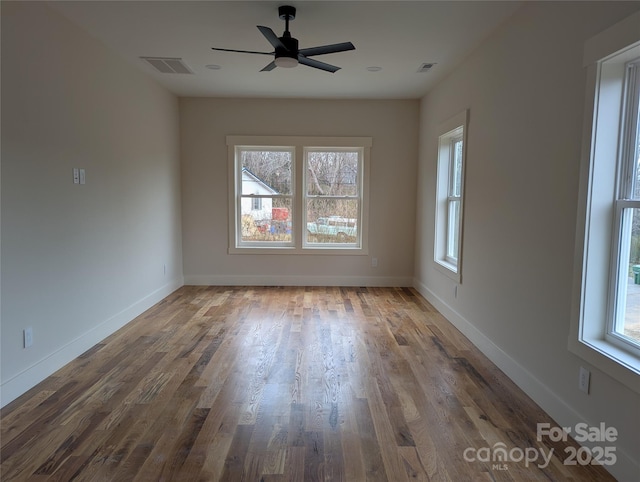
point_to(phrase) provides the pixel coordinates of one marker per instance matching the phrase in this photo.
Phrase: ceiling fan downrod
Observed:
(287, 57)
(287, 13)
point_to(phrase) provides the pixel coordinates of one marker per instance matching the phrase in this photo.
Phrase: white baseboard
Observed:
(625, 468)
(296, 280)
(25, 380)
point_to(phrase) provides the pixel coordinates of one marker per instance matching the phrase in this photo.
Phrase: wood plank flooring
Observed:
(280, 384)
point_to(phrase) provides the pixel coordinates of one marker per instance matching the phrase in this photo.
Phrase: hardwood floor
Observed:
(280, 384)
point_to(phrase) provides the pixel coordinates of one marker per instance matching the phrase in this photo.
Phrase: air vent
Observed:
(426, 67)
(168, 65)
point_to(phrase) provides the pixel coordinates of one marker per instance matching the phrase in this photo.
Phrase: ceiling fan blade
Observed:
(269, 67)
(243, 51)
(272, 37)
(317, 64)
(327, 49)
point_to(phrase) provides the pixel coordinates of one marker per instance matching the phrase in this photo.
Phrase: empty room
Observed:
(320, 240)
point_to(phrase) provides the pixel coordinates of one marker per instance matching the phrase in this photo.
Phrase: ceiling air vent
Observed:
(426, 67)
(168, 65)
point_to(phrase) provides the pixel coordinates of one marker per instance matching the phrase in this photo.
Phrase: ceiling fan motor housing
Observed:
(291, 47)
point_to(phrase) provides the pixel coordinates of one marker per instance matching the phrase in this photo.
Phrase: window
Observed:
(298, 194)
(265, 195)
(623, 325)
(605, 326)
(332, 196)
(449, 196)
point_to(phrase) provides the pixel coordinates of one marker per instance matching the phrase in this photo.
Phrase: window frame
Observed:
(450, 132)
(298, 215)
(598, 244)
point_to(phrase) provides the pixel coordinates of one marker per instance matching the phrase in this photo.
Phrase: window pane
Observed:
(456, 169)
(453, 221)
(332, 173)
(272, 222)
(636, 158)
(629, 324)
(332, 220)
(266, 172)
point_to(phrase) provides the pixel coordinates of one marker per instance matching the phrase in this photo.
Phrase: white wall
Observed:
(525, 90)
(79, 261)
(204, 123)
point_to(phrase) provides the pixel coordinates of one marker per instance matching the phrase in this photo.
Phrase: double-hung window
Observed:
(298, 194)
(605, 326)
(623, 327)
(454, 199)
(449, 195)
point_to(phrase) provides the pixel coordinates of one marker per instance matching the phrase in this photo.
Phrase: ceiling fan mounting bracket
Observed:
(287, 12)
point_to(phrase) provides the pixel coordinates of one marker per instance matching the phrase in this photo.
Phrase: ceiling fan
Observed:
(287, 54)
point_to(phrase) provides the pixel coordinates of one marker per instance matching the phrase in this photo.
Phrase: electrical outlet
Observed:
(27, 334)
(583, 380)
(374, 262)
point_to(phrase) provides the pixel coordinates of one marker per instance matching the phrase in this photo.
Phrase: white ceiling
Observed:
(397, 36)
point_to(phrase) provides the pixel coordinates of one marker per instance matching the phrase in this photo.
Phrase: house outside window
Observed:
(605, 323)
(298, 194)
(449, 196)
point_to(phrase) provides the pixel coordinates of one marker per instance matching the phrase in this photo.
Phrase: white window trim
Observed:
(298, 215)
(595, 214)
(446, 133)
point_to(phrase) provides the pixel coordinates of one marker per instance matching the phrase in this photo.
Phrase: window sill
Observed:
(448, 269)
(286, 250)
(612, 360)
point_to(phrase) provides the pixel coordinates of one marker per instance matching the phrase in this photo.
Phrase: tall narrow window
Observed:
(605, 322)
(624, 317)
(449, 195)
